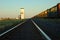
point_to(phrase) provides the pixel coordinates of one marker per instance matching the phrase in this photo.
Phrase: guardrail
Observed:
(41, 31)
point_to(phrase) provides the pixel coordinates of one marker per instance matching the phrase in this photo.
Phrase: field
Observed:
(7, 24)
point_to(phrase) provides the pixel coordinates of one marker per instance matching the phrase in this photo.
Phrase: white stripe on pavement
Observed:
(11, 29)
(45, 35)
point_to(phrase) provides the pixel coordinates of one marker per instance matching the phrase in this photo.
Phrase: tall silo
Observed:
(22, 13)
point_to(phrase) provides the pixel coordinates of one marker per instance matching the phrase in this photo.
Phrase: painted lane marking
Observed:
(45, 35)
(11, 29)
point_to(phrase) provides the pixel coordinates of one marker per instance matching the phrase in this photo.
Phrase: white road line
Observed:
(45, 35)
(11, 29)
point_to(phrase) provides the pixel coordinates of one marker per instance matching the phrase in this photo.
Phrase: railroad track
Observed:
(27, 30)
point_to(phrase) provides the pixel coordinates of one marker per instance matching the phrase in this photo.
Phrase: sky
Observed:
(11, 8)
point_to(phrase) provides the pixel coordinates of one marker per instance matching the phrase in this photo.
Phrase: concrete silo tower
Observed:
(22, 15)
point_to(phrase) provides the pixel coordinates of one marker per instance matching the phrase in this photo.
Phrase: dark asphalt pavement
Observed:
(26, 31)
(50, 28)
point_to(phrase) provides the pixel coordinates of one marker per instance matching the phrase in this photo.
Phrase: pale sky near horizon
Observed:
(11, 8)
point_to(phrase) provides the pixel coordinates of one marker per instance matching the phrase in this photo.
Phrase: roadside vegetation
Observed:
(8, 23)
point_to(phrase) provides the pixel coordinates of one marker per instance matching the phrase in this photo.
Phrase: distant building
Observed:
(19, 16)
(22, 15)
(58, 9)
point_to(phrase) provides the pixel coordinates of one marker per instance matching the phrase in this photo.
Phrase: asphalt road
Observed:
(50, 28)
(26, 31)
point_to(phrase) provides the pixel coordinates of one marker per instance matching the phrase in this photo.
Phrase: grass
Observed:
(51, 20)
(7, 24)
